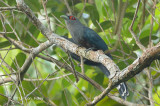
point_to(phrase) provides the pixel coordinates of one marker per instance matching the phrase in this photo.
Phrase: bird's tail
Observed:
(123, 90)
(122, 87)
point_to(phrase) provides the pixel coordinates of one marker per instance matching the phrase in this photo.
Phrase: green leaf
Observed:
(41, 37)
(19, 59)
(34, 5)
(29, 87)
(28, 39)
(61, 31)
(65, 83)
(93, 14)
(113, 5)
(31, 103)
(4, 44)
(41, 104)
(54, 88)
(66, 97)
(2, 98)
(80, 6)
(99, 78)
(91, 10)
(105, 25)
(129, 15)
(99, 7)
(144, 41)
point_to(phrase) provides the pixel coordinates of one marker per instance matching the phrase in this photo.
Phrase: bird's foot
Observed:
(92, 48)
(100, 51)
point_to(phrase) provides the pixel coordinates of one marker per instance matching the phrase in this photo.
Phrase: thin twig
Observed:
(70, 81)
(59, 41)
(6, 32)
(68, 7)
(152, 14)
(121, 12)
(82, 65)
(49, 79)
(7, 8)
(11, 27)
(47, 18)
(101, 96)
(151, 29)
(39, 84)
(84, 5)
(131, 28)
(73, 67)
(150, 83)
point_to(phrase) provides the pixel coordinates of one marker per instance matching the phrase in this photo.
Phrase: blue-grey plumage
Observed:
(86, 37)
(93, 38)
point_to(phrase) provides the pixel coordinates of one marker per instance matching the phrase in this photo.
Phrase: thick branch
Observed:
(136, 67)
(65, 66)
(116, 76)
(55, 39)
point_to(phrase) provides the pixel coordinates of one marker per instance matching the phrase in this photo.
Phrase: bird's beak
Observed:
(64, 17)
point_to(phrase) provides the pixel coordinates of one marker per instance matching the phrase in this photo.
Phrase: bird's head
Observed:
(70, 19)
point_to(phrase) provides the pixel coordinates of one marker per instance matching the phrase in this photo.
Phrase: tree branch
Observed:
(7, 8)
(116, 76)
(131, 29)
(136, 67)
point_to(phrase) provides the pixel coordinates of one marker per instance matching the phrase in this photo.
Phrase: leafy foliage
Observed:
(101, 16)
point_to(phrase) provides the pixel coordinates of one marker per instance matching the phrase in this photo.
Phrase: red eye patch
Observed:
(72, 18)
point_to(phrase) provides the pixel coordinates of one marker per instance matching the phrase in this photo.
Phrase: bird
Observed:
(88, 38)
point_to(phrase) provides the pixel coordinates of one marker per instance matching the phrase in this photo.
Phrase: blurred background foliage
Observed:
(101, 16)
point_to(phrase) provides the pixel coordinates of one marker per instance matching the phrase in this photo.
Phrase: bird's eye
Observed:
(72, 18)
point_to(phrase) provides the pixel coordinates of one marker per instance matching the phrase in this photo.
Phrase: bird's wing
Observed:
(94, 39)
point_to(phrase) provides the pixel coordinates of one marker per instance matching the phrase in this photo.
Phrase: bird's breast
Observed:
(83, 43)
(77, 33)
